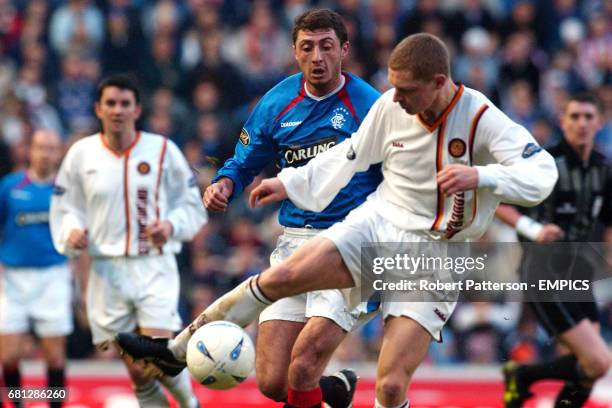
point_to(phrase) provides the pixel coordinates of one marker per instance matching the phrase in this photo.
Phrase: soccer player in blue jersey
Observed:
(299, 118)
(34, 278)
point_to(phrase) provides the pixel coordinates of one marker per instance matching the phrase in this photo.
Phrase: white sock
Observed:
(241, 305)
(150, 395)
(405, 404)
(180, 388)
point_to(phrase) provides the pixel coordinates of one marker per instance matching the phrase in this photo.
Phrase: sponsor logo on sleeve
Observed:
(530, 149)
(350, 154)
(58, 190)
(244, 138)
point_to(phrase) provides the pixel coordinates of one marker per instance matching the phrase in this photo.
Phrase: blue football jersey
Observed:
(25, 237)
(290, 127)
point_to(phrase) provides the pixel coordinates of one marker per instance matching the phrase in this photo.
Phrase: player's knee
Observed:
(273, 388)
(139, 375)
(597, 366)
(56, 361)
(303, 369)
(391, 387)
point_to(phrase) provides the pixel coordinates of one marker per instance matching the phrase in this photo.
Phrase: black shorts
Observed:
(558, 317)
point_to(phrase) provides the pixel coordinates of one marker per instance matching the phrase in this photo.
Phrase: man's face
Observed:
(319, 55)
(45, 151)
(117, 110)
(414, 96)
(580, 122)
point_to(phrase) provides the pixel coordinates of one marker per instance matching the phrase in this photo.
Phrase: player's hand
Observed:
(455, 178)
(159, 232)
(550, 233)
(216, 196)
(77, 239)
(269, 191)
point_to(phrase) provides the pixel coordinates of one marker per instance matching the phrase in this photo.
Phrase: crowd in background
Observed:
(203, 64)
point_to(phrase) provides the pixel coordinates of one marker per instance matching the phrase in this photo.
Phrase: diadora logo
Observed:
(338, 118)
(398, 144)
(297, 155)
(290, 124)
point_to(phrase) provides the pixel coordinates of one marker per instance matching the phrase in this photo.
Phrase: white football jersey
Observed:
(511, 166)
(115, 196)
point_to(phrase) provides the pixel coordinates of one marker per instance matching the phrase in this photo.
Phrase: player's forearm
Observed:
(525, 183)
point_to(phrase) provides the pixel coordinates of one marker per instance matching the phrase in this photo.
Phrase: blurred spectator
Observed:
(77, 26)
(161, 68)
(521, 106)
(424, 13)
(517, 61)
(595, 52)
(213, 66)
(122, 49)
(476, 66)
(11, 24)
(75, 93)
(260, 49)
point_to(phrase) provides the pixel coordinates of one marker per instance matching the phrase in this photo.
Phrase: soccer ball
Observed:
(220, 355)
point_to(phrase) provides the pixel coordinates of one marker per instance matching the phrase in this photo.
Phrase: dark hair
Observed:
(320, 19)
(586, 97)
(424, 55)
(121, 81)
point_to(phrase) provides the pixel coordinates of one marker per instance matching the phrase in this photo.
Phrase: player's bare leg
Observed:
(275, 340)
(404, 347)
(54, 353)
(11, 353)
(311, 354)
(315, 265)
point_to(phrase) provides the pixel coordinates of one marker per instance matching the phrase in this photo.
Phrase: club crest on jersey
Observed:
(144, 168)
(530, 149)
(456, 147)
(338, 118)
(244, 137)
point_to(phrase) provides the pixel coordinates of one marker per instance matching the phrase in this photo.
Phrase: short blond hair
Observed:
(423, 54)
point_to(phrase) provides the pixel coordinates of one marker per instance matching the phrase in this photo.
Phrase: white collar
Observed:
(335, 91)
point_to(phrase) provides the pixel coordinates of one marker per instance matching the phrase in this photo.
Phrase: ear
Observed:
(294, 52)
(344, 49)
(138, 111)
(98, 110)
(440, 80)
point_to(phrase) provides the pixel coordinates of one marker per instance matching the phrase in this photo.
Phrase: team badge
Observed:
(144, 168)
(456, 147)
(530, 149)
(245, 139)
(338, 118)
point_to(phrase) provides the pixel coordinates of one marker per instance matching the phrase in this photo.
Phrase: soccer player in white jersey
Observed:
(449, 156)
(128, 198)
(34, 278)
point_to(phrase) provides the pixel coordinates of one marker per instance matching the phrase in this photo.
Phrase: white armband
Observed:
(528, 227)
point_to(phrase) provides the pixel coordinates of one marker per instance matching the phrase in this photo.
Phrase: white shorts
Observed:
(321, 303)
(124, 293)
(364, 225)
(40, 298)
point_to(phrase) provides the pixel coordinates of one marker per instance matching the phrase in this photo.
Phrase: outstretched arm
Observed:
(314, 185)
